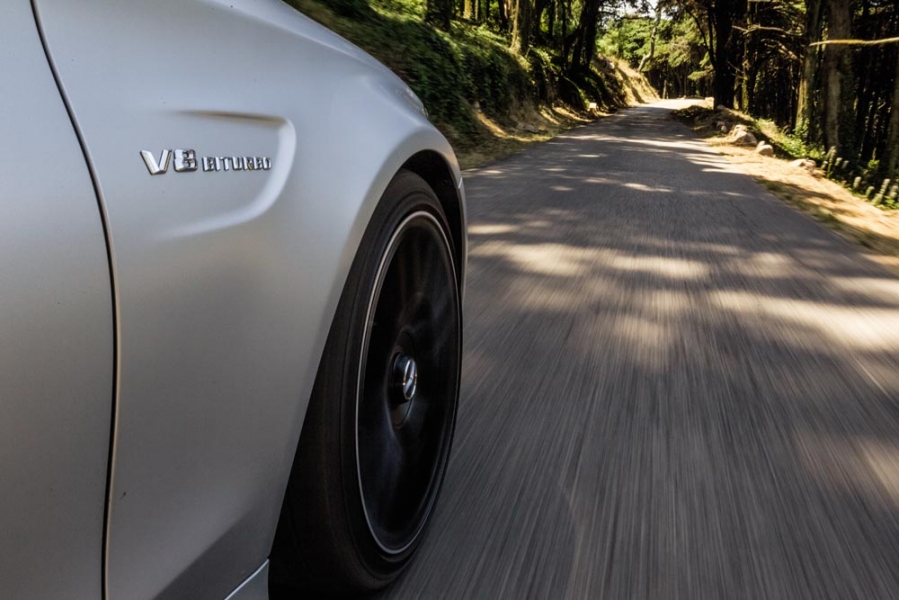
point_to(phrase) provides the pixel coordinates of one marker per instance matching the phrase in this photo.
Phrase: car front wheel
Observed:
(378, 430)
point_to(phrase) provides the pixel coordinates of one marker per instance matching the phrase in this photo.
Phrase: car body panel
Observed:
(226, 282)
(56, 335)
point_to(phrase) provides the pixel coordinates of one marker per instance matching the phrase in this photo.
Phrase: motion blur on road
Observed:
(674, 386)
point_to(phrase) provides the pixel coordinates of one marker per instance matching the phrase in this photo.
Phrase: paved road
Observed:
(674, 386)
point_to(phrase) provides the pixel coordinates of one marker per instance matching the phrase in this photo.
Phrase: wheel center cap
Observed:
(406, 376)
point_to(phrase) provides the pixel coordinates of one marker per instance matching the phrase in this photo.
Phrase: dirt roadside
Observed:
(827, 201)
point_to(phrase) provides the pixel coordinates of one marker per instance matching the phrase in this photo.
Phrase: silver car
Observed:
(231, 259)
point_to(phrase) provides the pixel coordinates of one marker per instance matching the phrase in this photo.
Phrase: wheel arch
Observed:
(433, 168)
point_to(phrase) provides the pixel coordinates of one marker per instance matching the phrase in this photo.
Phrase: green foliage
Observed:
(628, 39)
(788, 143)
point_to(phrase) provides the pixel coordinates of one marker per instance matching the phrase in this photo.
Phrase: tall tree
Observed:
(715, 21)
(891, 155)
(805, 100)
(839, 84)
(503, 14)
(521, 26)
(652, 38)
(585, 35)
(725, 14)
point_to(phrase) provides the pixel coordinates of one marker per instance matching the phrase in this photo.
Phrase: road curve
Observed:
(674, 386)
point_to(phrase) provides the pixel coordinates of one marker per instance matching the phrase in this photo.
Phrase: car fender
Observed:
(225, 283)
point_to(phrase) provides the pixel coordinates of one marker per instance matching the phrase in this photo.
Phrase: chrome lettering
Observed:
(185, 160)
(156, 168)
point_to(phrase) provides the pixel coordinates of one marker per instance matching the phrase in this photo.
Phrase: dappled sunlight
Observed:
(883, 460)
(667, 304)
(561, 260)
(713, 163)
(692, 145)
(851, 463)
(656, 266)
(765, 264)
(646, 188)
(547, 259)
(646, 339)
(851, 327)
(539, 224)
(505, 133)
(886, 289)
(527, 296)
(484, 229)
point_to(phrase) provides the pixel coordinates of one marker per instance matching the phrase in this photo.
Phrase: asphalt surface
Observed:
(674, 386)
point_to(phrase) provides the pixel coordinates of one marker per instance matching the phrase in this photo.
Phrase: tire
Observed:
(377, 436)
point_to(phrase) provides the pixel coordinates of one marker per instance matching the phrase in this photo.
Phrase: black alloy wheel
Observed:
(405, 404)
(376, 440)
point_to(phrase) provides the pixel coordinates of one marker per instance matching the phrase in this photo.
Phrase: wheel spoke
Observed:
(383, 464)
(403, 440)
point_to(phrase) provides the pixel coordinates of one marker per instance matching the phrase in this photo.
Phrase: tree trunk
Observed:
(838, 98)
(805, 101)
(585, 36)
(652, 38)
(724, 59)
(891, 158)
(469, 10)
(521, 27)
(551, 21)
(503, 16)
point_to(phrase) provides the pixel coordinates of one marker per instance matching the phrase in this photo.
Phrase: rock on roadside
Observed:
(805, 164)
(742, 137)
(764, 149)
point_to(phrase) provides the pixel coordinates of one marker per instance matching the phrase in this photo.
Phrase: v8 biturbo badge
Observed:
(186, 161)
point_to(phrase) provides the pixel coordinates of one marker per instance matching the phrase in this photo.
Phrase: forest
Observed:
(825, 72)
